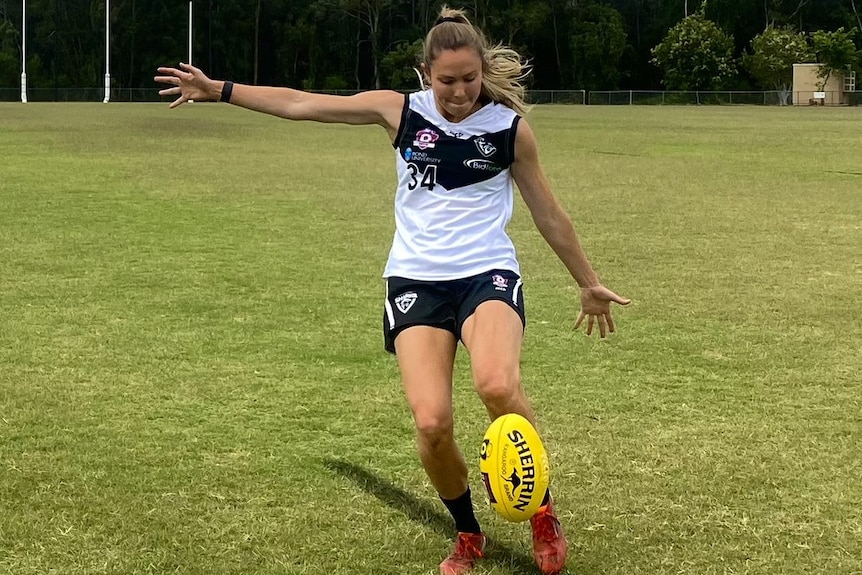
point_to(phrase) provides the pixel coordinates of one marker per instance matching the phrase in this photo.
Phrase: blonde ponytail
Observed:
(503, 69)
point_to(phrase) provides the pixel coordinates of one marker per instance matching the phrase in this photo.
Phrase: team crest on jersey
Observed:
(405, 301)
(485, 147)
(500, 283)
(425, 138)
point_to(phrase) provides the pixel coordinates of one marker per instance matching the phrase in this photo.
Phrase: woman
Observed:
(452, 274)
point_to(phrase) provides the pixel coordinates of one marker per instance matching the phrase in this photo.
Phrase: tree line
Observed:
(362, 44)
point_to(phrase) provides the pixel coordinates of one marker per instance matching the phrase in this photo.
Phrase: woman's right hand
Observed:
(187, 83)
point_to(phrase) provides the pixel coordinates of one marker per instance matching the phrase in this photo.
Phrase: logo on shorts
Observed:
(405, 301)
(500, 283)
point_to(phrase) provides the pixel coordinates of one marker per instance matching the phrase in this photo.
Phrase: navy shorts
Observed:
(446, 304)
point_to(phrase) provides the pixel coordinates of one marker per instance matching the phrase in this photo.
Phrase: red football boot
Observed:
(468, 548)
(549, 543)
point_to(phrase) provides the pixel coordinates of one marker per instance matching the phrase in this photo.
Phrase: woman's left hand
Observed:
(596, 307)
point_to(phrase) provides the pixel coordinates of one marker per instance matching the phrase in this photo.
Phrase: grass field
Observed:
(192, 378)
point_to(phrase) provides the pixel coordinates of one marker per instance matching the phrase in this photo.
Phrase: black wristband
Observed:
(225, 91)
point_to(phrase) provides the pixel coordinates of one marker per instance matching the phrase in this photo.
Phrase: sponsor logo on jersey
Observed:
(405, 301)
(485, 147)
(412, 155)
(425, 139)
(500, 283)
(482, 164)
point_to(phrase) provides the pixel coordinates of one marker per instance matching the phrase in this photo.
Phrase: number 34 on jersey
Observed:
(425, 177)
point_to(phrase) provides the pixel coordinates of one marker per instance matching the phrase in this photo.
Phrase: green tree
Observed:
(10, 62)
(695, 55)
(773, 53)
(835, 52)
(369, 16)
(598, 41)
(398, 66)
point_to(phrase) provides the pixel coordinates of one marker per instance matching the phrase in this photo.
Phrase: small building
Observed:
(807, 90)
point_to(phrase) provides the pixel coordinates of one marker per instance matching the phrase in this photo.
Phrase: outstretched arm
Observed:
(557, 229)
(382, 107)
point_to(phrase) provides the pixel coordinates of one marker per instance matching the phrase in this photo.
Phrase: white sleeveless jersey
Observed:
(455, 194)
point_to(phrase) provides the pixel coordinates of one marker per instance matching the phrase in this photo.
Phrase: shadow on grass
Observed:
(421, 512)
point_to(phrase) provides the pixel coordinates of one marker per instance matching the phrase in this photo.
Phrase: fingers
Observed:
(170, 76)
(181, 99)
(175, 75)
(188, 67)
(611, 326)
(604, 321)
(611, 296)
(595, 308)
(581, 317)
(603, 326)
(167, 80)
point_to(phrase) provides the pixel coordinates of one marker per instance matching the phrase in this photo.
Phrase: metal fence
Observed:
(81, 95)
(657, 97)
(576, 97)
(557, 97)
(725, 97)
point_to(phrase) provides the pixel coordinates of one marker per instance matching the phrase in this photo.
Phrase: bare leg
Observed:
(426, 357)
(493, 335)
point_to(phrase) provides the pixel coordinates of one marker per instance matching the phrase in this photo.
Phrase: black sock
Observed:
(461, 510)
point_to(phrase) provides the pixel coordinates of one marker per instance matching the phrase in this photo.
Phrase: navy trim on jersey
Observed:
(513, 132)
(467, 161)
(403, 123)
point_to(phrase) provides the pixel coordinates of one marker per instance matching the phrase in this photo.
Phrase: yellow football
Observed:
(514, 467)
